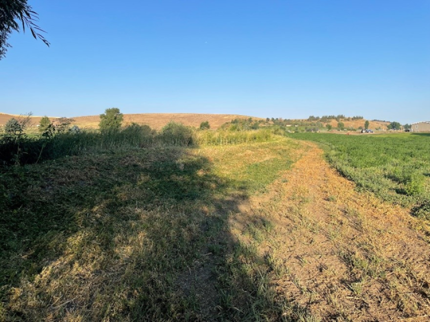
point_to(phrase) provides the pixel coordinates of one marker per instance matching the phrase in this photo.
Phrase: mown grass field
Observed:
(135, 234)
(259, 230)
(396, 167)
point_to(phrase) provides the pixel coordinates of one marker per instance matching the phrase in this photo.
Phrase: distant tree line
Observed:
(328, 118)
(242, 124)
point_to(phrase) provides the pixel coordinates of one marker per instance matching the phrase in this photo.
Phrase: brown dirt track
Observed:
(341, 254)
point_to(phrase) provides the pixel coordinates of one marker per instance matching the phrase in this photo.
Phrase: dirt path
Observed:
(341, 254)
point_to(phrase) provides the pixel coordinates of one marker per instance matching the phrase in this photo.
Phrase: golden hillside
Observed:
(154, 120)
(158, 120)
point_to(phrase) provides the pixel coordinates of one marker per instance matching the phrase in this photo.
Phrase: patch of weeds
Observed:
(298, 313)
(216, 249)
(259, 228)
(331, 198)
(246, 291)
(333, 232)
(356, 218)
(296, 281)
(277, 265)
(267, 225)
(365, 266)
(255, 232)
(422, 211)
(415, 185)
(301, 195)
(356, 288)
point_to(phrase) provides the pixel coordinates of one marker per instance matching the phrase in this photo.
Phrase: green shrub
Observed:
(138, 135)
(204, 126)
(422, 211)
(415, 185)
(13, 128)
(44, 124)
(62, 124)
(11, 142)
(241, 125)
(177, 134)
(403, 174)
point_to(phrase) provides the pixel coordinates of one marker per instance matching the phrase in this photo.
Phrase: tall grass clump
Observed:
(226, 137)
(133, 135)
(28, 150)
(22, 149)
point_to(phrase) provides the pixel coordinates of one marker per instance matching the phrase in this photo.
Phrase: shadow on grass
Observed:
(137, 235)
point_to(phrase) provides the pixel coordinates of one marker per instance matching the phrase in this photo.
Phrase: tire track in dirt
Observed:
(342, 254)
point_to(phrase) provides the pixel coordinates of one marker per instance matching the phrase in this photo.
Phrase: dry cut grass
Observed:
(134, 235)
(340, 254)
(252, 232)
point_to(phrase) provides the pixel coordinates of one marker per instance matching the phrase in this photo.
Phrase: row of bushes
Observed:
(22, 149)
(26, 150)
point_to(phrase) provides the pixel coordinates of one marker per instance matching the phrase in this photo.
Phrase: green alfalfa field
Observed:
(261, 227)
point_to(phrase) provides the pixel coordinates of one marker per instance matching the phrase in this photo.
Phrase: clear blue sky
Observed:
(267, 58)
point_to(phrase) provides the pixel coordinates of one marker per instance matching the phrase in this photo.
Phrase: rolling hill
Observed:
(158, 120)
(154, 120)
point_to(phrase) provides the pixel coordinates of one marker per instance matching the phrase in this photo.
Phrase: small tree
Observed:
(205, 125)
(62, 124)
(366, 125)
(44, 124)
(111, 120)
(340, 126)
(329, 127)
(13, 128)
(394, 126)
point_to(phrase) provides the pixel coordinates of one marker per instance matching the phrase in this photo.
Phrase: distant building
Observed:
(421, 127)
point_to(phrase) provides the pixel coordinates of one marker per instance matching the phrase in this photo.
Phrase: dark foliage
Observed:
(11, 13)
(205, 126)
(111, 120)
